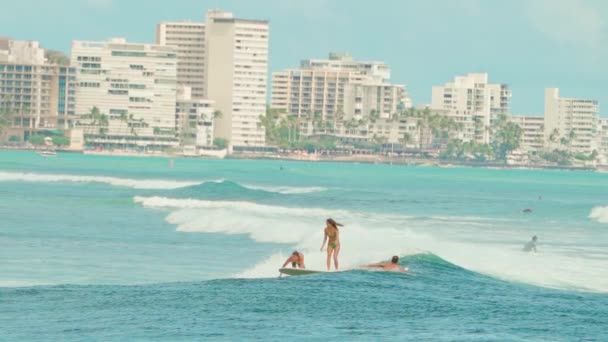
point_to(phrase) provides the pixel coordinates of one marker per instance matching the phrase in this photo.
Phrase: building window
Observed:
(117, 92)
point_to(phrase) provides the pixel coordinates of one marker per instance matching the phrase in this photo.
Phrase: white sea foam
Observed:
(151, 184)
(600, 214)
(373, 237)
(237, 207)
(123, 182)
(288, 190)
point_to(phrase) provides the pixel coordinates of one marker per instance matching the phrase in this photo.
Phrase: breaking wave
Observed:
(150, 184)
(123, 182)
(600, 214)
(374, 237)
(286, 190)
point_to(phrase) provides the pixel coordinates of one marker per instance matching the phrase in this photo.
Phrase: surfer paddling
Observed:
(296, 259)
(331, 235)
(531, 245)
(388, 266)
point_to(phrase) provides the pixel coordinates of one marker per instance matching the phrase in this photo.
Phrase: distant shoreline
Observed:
(378, 159)
(356, 159)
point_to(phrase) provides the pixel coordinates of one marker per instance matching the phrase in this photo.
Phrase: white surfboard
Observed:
(297, 271)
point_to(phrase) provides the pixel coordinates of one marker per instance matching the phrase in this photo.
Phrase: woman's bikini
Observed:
(332, 240)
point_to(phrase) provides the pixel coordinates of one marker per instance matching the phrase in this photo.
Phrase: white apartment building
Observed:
(21, 51)
(383, 99)
(603, 141)
(308, 93)
(194, 119)
(38, 95)
(378, 71)
(573, 119)
(134, 85)
(188, 38)
(474, 102)
(533, 132)
(338, 88)
(236, 73)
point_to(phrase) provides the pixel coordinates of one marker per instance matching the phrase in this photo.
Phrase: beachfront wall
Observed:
(404, 131)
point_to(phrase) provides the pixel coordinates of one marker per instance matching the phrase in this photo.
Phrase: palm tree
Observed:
(374, 115)
(571, 137)
(554, 135)
(407, 138)
(339, 116)
(5, 115)
(97, 119)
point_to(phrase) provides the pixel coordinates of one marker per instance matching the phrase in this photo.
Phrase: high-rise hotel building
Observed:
(338, 88)
(474, 102)
(38, 95)
(133, 84)
(225, 60)
(571, 118)
(188, 38)
(532, 132)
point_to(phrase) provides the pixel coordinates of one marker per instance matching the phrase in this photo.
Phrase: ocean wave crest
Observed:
(600, 214)
(115, 181)
(369, 237)
(286, 190)
(150, 184)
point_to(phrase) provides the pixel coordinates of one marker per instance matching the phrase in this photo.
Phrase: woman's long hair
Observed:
(335, 224)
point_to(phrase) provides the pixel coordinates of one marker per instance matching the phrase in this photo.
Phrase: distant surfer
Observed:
(296, 259)
(332, 237)
(388, 266)
(531, 245)
(527, 211)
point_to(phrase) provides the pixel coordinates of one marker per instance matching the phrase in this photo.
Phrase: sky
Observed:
(528, 44)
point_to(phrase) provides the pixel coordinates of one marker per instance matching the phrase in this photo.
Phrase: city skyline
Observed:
(523, 43)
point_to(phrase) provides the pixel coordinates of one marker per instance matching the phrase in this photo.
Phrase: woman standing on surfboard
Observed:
(332, 237)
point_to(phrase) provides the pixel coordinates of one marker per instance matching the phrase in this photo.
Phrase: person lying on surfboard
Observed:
(296, 259)
(388, 266)
(331, 235)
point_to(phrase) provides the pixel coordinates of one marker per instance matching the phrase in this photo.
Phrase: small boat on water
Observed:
(47, 153)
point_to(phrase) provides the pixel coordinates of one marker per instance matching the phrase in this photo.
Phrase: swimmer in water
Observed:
(531, 245)
(388, 266)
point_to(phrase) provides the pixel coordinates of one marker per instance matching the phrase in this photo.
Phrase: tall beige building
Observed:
(224, 60)
(188, 38)
(39, 96)
(236, 72)
(193, 119)
(474, 102)
(533, 131)
(602, 141)
(338, 87)
(573, 119)
(133, 84)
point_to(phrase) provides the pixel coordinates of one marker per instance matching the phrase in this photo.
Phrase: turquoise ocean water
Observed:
(117, 248)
